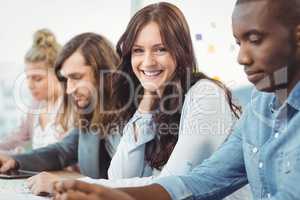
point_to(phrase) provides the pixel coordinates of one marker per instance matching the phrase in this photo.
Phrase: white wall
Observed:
(19, 19)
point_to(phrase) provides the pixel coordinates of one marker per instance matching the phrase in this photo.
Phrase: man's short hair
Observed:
(286, 11)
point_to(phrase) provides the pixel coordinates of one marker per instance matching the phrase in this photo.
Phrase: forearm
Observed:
(52, 157)
(215, 178)
(154, 191)
(39, 160)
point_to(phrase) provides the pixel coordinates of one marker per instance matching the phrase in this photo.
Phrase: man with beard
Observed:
(79, 66)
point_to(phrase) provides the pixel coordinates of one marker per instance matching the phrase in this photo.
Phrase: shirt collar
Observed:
(294, 97)
(292, 100)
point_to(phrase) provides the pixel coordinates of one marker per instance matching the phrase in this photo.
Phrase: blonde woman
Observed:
(39, 127)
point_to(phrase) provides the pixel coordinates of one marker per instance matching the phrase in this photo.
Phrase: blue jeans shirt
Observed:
(264, 150)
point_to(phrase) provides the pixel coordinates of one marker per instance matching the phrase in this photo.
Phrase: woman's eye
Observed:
(38, 79)
(161, 50)
(136, 51)
(77, 77)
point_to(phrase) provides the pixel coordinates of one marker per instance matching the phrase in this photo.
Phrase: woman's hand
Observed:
(42, 183)
(148, 102)
(77, 190)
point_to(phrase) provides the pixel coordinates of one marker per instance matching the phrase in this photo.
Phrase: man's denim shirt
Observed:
(264, 150)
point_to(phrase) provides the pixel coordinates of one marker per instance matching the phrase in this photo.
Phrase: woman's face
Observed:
(42, 82)
(151, 61)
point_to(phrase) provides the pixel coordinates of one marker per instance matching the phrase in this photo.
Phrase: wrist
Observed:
(148, 104)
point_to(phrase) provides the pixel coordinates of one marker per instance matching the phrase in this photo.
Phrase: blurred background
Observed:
(210, 24)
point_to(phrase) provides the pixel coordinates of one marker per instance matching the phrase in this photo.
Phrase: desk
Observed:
(15, 189)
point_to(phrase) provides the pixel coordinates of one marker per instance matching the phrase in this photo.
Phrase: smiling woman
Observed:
(157, 54)
(151, 62)
(263, 149)
(177, 116)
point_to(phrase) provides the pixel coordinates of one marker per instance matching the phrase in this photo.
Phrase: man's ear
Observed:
(297, 35)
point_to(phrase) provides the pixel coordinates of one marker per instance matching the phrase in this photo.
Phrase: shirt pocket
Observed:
(289, 162)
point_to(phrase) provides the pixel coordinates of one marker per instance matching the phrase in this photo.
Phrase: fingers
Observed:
(77, 185)
(62, 186)
(34, 190)
(33, 186)
(29, 185)
(39, 190)
(75, 195)
(88, 188)
(52, 187)
(97, 190)
(69, 190)
(8, 165)
(40, 184)
(92, 191)
(30, 181)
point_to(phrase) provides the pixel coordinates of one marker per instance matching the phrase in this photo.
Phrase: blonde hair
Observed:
(45, 48)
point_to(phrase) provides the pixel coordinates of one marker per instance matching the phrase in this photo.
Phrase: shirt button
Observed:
(254, 150)
(276, 135)
(260, 165)
(269, 195)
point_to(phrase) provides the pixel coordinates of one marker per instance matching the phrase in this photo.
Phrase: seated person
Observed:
(180, 116)
(79, 66)
(39, 126)
(263, 149)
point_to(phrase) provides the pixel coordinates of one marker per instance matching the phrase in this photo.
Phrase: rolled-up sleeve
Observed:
(128, 159)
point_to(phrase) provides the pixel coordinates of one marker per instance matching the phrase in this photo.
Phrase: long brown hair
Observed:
(176, 38)
(99, 54)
